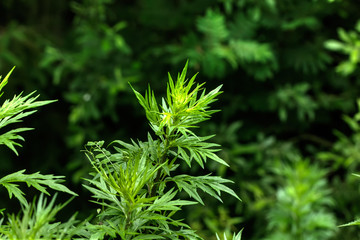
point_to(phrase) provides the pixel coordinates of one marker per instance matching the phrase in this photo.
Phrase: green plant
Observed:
(302, 208)
(74, 51)
(35, 220)
(138, 186)
(12, 111)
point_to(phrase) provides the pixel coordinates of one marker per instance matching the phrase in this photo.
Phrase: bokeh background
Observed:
(288, 122)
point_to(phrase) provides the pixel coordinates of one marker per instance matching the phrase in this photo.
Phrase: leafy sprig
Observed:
(212, 185)
(37, 221)
(13, 111)
(36, 180)
(136, 186)
(185, 105)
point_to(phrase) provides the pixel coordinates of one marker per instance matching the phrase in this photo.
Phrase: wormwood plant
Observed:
(34, 222)
(138, 185)
(302, 209)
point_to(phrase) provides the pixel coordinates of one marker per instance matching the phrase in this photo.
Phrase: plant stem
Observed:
(162, 158)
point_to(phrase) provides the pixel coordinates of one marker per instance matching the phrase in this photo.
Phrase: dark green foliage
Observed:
(349, 46)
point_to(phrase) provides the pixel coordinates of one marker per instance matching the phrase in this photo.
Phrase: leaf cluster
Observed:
(36, 180)
(36, 220)
(12, 111)
(135, 185)
(302, 205)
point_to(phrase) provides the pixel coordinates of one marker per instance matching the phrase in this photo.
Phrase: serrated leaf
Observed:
(353, 223)
(212, 185)
(13, 189)
(36, 180)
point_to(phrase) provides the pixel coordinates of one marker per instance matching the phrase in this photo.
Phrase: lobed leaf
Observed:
(36, 180)
(212, 185)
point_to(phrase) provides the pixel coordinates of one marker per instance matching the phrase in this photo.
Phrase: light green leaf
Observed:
(36, 180)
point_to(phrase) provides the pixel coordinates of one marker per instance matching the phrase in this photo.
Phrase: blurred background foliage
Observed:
(289, 124)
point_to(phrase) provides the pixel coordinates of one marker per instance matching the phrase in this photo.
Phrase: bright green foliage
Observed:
(34, 220)
(212, 185)
(302, 205)
(36, 180)
(182, 109)
(12, 111)
(353, 223)
(37, 221)
(235, 237)
(136, 186)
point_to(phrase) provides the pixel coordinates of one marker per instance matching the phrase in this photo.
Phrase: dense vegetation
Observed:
(289, 122)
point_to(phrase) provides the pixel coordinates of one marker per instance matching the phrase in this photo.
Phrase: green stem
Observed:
(152, 190)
